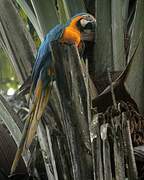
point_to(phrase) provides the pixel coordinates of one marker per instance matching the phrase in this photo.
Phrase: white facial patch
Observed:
(83, 22)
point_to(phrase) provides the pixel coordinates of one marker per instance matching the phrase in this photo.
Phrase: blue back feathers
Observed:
(44, 59)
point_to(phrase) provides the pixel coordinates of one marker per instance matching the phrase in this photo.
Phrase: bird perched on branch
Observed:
(78, 29)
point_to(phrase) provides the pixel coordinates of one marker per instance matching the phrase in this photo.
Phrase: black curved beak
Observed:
(88, 33)
(90, 26)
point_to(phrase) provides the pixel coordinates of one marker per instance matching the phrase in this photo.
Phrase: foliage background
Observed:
(23, 25)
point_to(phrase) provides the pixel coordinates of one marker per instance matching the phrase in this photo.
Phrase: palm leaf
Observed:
(68, 9)
(134, 82)
(15, 40)
(49, 13)
(28, 11)
(103, 37)
(118, 36)
(11, 121)
(46, 14)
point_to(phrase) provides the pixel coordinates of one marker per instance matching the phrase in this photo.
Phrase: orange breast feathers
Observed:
(71, 33)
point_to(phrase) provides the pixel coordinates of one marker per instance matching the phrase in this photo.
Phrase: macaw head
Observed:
(86, 24)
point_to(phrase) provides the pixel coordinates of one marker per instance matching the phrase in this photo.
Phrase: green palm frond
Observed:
(15, 40)
(135, 82)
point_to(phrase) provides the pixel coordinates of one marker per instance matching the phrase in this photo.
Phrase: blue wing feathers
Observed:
(44, 58)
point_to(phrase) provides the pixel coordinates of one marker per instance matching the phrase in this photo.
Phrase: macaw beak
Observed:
(89, 32)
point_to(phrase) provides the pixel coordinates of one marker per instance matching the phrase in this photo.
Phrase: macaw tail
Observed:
(40, 101)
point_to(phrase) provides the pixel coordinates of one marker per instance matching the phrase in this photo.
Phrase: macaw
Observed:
(78, 29)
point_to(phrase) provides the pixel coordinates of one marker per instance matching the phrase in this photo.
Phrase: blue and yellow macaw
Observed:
(78, 29)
